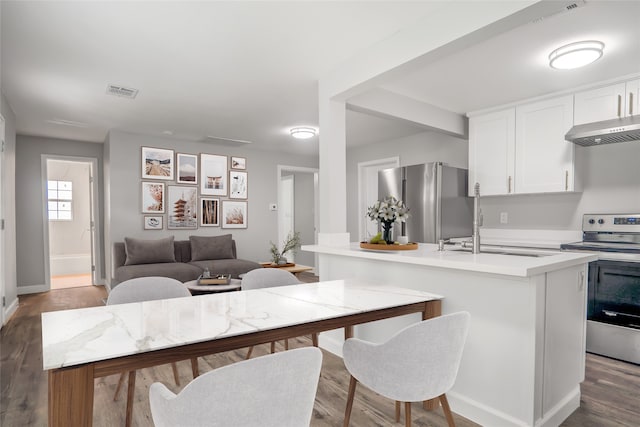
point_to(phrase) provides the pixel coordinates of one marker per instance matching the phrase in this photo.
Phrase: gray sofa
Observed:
(183, 260)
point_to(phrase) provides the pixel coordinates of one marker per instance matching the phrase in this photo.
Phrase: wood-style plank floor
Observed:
(610, 394)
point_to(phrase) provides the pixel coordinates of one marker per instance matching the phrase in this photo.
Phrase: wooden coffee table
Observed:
(295, 269)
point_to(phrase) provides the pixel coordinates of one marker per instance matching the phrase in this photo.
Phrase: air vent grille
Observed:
(121, 91)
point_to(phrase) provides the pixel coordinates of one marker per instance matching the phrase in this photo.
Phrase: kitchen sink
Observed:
(503, 251)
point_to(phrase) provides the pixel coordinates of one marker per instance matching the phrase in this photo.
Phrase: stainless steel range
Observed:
(613, 310)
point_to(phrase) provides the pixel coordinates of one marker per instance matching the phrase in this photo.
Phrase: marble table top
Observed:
(73, 337)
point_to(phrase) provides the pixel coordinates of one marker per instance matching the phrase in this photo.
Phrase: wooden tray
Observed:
(271, 265)
(377, 247)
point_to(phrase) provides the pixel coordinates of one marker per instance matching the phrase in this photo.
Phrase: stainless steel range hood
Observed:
(605, 132)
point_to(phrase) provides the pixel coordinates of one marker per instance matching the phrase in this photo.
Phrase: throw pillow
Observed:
(211, 247)
(148, 251)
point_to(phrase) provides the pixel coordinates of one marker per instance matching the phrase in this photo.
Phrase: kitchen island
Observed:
(524, 357)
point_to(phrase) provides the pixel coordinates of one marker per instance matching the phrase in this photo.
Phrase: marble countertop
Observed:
(73, 337)
(428, 255)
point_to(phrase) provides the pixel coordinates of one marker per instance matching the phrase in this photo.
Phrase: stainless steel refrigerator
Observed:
(436, 196)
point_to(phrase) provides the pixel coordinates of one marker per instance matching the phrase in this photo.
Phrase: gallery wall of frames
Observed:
(187, 191)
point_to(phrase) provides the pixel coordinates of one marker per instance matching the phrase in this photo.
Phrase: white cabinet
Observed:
(491, 152)
(544, 160)
(605, 103)
(522, 149)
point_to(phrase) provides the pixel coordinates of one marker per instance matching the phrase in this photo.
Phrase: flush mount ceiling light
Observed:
(302, 132)
(576, 55)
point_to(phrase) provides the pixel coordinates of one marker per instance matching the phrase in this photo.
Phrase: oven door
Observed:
(613, 311)
(614, 293)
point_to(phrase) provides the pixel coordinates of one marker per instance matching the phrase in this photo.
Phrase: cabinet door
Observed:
(491, 152)
(631, 101)
(544, 160)
(600, 104)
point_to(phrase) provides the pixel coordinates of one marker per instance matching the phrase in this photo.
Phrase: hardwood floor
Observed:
(70, 281)
(610, 393)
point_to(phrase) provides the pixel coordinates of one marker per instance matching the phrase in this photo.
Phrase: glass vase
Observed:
(386, 231)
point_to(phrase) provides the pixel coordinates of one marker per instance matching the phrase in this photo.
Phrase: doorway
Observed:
(70, 225)
(298, 209)
(368, 193)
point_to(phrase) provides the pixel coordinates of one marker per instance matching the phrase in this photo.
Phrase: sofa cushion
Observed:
(235, 267)
(211, 247)
(141, 251)
(176, 270)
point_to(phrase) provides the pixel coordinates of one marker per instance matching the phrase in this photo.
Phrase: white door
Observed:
(368, 192)
(286, 216)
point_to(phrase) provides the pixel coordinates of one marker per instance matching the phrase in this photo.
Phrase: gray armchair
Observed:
(271, 391)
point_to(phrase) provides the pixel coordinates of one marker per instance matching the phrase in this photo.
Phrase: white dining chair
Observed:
(275, 390)
(418, 363)
(139, 290)
(269, 278)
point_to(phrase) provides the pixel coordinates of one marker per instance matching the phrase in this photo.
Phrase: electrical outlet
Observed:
(273, 207)
(504, 218)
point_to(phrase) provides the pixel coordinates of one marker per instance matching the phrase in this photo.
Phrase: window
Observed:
(59, 197)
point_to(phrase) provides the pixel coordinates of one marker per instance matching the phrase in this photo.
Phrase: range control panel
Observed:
(629, 223)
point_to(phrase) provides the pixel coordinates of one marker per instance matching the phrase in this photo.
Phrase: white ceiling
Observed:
(249, 70)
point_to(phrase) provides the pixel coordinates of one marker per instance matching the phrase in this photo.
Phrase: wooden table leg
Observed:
(431, 309)
(348, 332)
(71, 396)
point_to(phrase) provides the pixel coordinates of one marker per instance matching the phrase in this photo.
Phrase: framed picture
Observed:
(234, 214)
(157, 163)
(182, 207)
(187, 168)
(209, 212)
(153, 222)
(238, 185)
(238, 163)
(213, 175)
(152, 197)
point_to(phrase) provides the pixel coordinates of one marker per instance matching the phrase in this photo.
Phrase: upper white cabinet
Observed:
(544, 160)
(522, 149)
(491, 152)
(605, 103)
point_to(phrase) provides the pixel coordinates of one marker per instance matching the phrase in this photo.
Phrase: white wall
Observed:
(9, 195)
(416, 149)
(611, 184)
(123, 178)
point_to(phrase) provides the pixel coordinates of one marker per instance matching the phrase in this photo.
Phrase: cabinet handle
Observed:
(631, 103)
(619, 105)
(566, 180)
(581, 281)
(509, 184)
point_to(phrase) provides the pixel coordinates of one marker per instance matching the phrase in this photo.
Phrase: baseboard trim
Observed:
(10, 310)
(33, 289)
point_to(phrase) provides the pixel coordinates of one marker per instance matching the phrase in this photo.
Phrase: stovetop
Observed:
(602, 247)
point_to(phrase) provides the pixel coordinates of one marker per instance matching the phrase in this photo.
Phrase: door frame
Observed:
(316, 197)
(96, 252)
(363, 186)
(2, 226)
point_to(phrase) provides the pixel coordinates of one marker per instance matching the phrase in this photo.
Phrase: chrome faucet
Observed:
(477, 219)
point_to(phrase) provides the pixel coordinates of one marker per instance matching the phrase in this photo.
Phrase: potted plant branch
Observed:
(291, 244)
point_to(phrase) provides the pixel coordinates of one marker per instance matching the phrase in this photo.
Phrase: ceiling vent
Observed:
(219, 138)
(121, 91)
(63, 122)
(567, 7)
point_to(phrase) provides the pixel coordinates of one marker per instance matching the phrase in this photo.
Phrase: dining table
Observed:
(80, 345)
